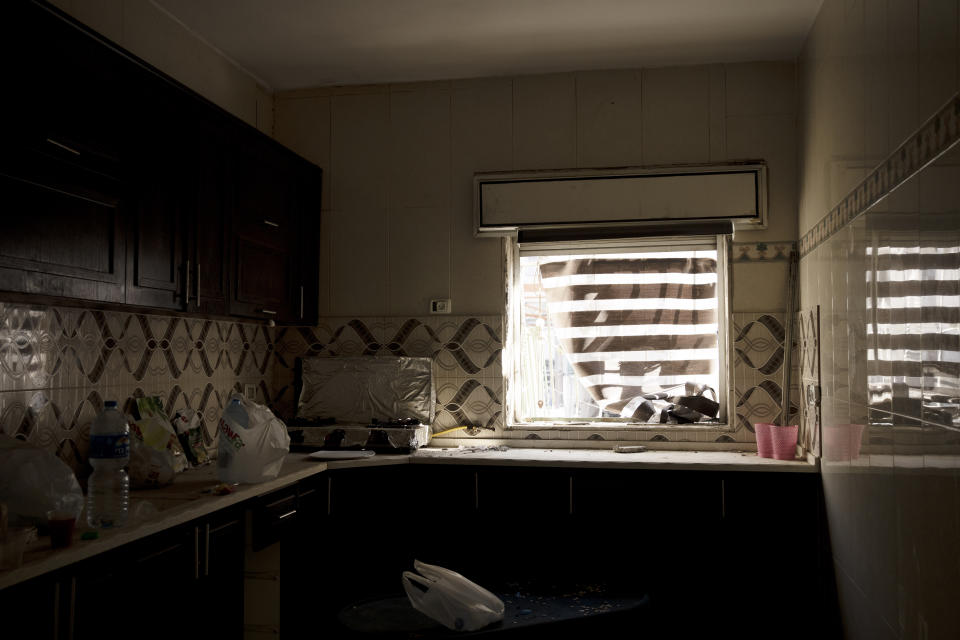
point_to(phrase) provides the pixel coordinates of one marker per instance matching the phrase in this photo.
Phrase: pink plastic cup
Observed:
(784, 441)
(764, 444)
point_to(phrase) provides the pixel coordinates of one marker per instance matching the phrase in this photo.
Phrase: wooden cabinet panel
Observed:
(209, 252)
(61, 240)
(156, 267)
(120, 185)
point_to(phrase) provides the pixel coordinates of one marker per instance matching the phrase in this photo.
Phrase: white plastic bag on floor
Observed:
(450, 599)
(252, 443)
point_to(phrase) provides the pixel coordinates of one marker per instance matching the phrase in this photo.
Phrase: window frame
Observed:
(514, 320)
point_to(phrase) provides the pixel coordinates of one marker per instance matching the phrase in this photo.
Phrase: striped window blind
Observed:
(630, 325)
(913, 365)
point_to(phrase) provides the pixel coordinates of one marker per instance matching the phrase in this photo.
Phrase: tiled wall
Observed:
(880, 235)
(465, 351)
(398, 163)
(468, 371)
(58, 365)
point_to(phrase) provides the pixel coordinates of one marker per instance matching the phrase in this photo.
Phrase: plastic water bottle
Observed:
(234, 418)
(108, 489)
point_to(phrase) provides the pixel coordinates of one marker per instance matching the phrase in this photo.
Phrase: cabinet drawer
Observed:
(272, 516)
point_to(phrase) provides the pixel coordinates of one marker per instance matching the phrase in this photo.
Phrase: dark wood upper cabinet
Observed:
(120, 185)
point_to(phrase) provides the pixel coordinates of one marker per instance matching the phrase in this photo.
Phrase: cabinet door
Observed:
(60, 159)
(63, 232)
(137, 591)
(263, 235)
(307, 214)
(221, 580)
(157, 269)
(31, 609)
(209, 225)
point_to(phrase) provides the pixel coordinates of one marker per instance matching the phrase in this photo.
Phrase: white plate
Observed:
(340, 455)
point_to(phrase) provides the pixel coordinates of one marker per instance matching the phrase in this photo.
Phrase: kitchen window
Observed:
(624, 333)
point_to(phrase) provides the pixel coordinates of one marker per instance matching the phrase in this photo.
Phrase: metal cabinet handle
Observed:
(63, 146)
(287, 514)
(187, 297)
(206, 552)
(269, 312)
(73, 607)
(196, 553)
(271, 223)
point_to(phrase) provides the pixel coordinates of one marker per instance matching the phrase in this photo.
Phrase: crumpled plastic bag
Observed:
(251, 453)
(155, 452)
(450, 599)
(34, 481)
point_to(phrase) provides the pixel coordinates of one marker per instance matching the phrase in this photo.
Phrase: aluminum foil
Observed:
(339, 437)
(358, 390)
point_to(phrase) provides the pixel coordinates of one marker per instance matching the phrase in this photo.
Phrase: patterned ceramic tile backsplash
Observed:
(758, 345)
(58, 364)
(466, 352)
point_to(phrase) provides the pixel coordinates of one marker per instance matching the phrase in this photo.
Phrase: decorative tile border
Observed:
(762, 251)
(934, 137)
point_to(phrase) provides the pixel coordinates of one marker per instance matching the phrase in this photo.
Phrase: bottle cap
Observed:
(109, 403)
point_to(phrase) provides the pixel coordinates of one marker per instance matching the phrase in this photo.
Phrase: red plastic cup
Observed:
(784, 441)
(764, 444)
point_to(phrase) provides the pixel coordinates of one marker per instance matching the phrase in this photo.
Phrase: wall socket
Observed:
(250, 392)
(440, 306)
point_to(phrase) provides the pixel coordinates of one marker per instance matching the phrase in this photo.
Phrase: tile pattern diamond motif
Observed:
(467, 357)
(809, 325)
(58, 364)
(758, 346)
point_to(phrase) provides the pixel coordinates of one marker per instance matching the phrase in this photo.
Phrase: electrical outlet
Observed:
(440, 306)
(250, 392)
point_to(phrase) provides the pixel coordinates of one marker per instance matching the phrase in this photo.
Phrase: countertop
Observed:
(190, 496)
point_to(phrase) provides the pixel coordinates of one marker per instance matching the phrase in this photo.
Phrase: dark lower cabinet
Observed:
(33, 610)
(182, 583)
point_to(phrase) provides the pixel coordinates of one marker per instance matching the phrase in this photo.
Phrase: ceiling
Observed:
(288, 44)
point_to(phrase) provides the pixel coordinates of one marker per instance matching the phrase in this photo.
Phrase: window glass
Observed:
(625, 334)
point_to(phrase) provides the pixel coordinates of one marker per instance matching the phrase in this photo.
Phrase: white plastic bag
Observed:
(251, 453)
(34, 481)
(450, 599)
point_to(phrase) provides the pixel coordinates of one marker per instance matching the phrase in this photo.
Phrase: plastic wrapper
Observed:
(190, 432)
(253, 452)
(34, 481)
(397, 439)
(155, 452)
(359, 390)
(450, 599)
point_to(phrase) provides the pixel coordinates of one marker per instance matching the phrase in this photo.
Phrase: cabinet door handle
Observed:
(206, 550)
(63, 146)
(196, 553)
(271, 223)
(287, 514)
(269, 312)
(187, 297)
(73, 607)
(301, 302)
